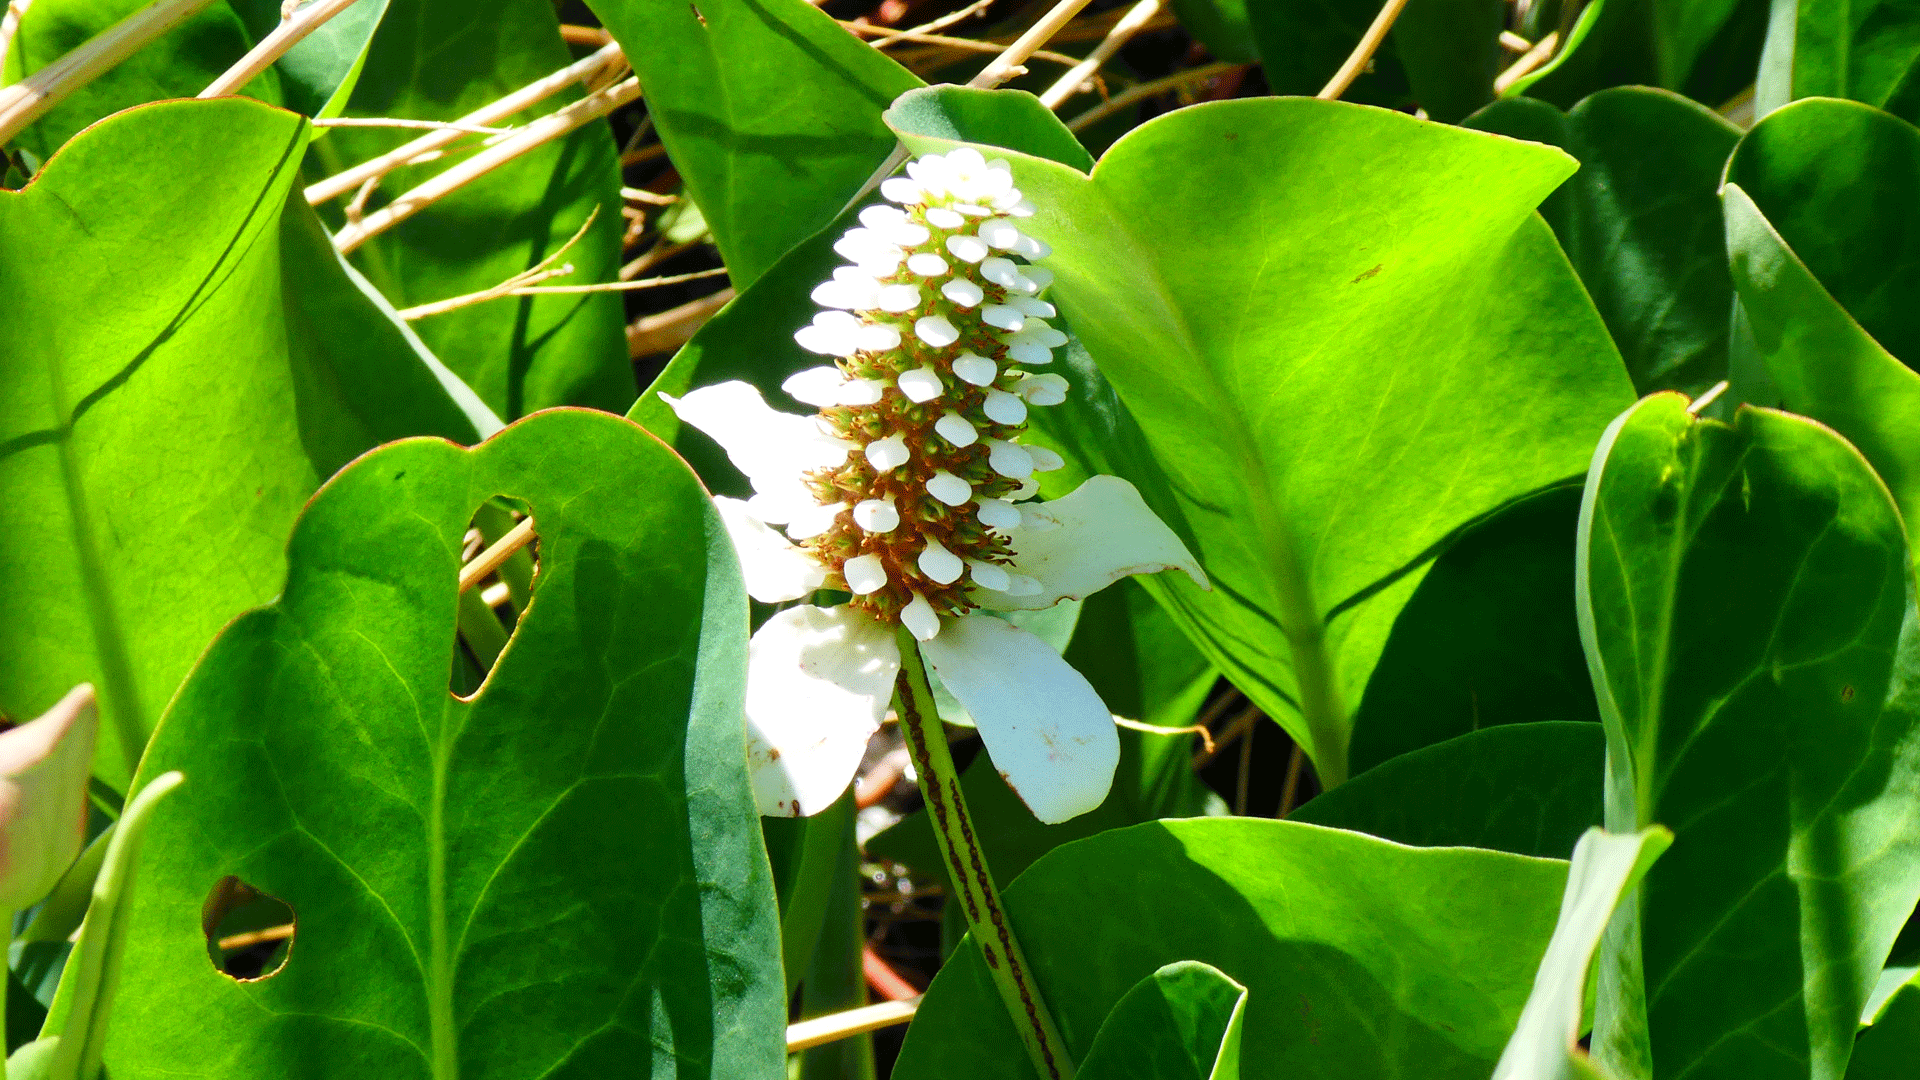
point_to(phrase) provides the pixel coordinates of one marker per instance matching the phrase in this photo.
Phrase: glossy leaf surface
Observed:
(1605, 867)
(1335, 420)
(559, 876)
(1866, 50)
(1183, 1022)
(1743, 591)
(437, 60)
(770, 111)
(1706, 49)
(1641, 223)
(243, 370)
(1531, 789)
(1318, 924)
(1825, 269)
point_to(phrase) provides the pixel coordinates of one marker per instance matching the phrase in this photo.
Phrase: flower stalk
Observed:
(967, 867)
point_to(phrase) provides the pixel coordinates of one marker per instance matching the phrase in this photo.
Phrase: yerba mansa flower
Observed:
(908, 489)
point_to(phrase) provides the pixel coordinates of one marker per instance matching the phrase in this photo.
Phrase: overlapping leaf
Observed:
(1361, 958)
(1641, 223)
(1746, 606)
(559, 876)
(1866, 50)
(1825, 265)
(437, 60)
(1305, 345)
(1183, 1022)
(1706, 49)
(770, 111)
(181, 370)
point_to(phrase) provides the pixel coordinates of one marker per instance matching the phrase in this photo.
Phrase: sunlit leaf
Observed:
(1746, 607)
(1183, 1022)
(558, 876)
(180, 371)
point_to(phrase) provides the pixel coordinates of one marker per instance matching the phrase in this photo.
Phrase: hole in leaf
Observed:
(499, 559)
(249, 933)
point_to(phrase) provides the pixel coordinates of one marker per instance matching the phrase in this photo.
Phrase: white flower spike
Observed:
(903, 490)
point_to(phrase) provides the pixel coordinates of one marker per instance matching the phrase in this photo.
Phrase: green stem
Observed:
(992, 932)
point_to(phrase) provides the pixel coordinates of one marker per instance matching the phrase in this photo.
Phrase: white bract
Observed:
(907, 489)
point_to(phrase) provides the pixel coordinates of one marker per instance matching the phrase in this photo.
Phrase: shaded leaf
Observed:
(1705, 49)
(1824, 263)
(440, 59)
(1888, 1049)
(769, 109)
(1335, 422)
(1222, 26)
(1641, 223)
(152, 462)
(1531, 789)
(560, 876)
(1442, 55)
(1488, 638)
(1361, 958)
(1866, 50)
(1746, 606)
(1183, 1022)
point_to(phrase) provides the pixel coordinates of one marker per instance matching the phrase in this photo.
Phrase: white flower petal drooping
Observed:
(907, 490)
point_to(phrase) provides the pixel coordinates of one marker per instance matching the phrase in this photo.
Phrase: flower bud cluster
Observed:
(932, 328)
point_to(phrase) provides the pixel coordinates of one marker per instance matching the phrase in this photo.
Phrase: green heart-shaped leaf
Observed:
(1361, 958)
(1641, 222)
(1183, 1022)
(560, 876)
(1742, 591)
(179, 372)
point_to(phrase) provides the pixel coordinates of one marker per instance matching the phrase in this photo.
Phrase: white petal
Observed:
(899, 298)
(881, 337)
(876, 515)
(1030, 354)
(818, 682)
(1048, 389)
(775, 570)
(1039, 309)
(774, 449)
(864, 573)
(816, 386)
(888, 454)
(973, 209)
(861, 392)
(1044, 727)
(999, 233)
(1002, 316)
(922, 384)
(1093, 537)
(1010, 460)
(963, 292)
(942, 218)
(901, 190)
(998, 514)
(1001, 272)
(1004, 408)
(907, 234)
(968, 248)
(949, 488)
(955, 429)
(1023, 585)
(812, 520)
(977, 370)
(927, 264)
(1045, 460)
(935, 330)
(939, 564)
(988, 575)
(880, 215)
(1032, 248)
(1040, 275)
(920, 619)
(1021, 208)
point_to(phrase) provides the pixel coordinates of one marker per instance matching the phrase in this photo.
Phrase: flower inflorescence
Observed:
(933, 328)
